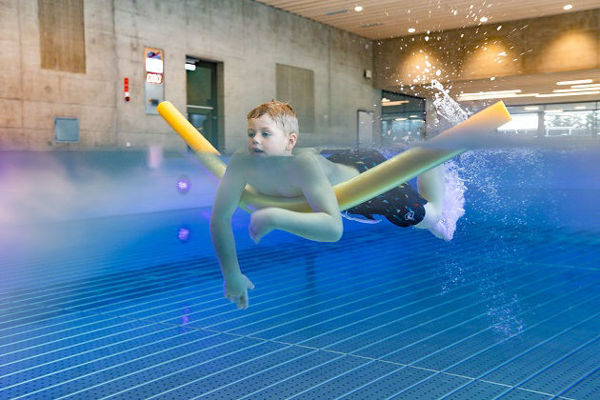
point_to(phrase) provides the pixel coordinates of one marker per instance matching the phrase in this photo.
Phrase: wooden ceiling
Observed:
(383, 19)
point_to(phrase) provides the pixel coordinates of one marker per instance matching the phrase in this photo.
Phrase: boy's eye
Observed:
(266, 133)
(250, 134)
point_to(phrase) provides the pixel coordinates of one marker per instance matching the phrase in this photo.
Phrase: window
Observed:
(522, 125)
(402, 119)
(576, 120)
(568, 123)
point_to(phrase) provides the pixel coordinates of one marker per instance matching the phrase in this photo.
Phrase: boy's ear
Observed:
(292, 139)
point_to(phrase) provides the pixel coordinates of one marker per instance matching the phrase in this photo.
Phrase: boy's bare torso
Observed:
(276, 176)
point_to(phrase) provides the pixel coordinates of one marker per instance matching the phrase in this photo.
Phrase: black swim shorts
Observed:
(402, 205)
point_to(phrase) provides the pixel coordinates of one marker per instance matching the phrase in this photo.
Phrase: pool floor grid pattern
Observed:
(423, 319)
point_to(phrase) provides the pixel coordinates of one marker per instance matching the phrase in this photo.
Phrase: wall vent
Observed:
(66, 130)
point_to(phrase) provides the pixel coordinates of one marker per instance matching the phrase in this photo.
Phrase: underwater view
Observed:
(130, 305)
(281, 199)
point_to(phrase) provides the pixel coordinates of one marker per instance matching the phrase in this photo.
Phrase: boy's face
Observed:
(265, 137)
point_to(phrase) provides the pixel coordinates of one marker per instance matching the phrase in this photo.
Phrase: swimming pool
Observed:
(129, 305)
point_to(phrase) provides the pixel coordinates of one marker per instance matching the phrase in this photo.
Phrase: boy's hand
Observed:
(235, 288)
(261, 223)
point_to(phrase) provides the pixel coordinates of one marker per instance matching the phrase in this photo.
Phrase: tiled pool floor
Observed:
(384, 313)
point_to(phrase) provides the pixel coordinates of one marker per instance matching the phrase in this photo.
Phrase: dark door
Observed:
(202, 98)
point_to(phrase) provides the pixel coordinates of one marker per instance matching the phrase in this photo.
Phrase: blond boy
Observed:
(270, 167)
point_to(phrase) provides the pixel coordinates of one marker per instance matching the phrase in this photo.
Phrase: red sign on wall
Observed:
(154, 77)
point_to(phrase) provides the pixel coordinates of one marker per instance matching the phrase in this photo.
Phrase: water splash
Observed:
(445, 106)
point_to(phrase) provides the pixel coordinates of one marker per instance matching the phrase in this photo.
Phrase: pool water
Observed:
(130, 306)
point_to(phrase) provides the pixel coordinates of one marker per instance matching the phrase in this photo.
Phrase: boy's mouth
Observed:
(257, 151)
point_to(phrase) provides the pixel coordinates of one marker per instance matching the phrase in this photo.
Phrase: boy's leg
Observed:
(444, 191)
(431, 186)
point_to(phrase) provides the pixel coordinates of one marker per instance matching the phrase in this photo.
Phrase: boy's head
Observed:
(272, 129)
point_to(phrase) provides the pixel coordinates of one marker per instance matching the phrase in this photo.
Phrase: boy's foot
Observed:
(454, 201)
(440, 231)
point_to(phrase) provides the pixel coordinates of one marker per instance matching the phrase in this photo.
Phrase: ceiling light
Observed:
(190, 67)
(580, 107)
(575, 82)
(531, 108)
(411, 30)
(589, 86)
(568, 94)
(486, 96)
(394, 103)
(492, 92)
(574, 90)
(483, 19)
(567, 7)
(400, 119)
(358, 8)
(385, 100)
(556, 111)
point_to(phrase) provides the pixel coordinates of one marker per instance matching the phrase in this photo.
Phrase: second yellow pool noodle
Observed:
(365, 186)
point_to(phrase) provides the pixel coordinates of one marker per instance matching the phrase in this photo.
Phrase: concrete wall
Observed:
(30, 97)
(247, 37)
(566, 42)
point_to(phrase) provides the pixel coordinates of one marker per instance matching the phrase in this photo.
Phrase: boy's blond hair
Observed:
(281, 113)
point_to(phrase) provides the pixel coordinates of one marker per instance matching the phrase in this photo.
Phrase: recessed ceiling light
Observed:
(411, 30)
(589, 86)
(358, 8)
(531, 108)
(567, 7)
(575, 82)
(483, 19)
(580, 107)
(492, 95)
(568, 94)
(575, 90)
(493, 92)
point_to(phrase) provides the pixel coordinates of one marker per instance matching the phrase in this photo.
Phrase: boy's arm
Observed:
(324, 224)
(227, 199)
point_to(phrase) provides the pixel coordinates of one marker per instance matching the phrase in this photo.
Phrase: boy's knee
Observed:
(338, 234)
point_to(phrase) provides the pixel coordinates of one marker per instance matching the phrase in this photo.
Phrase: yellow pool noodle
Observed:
(365, 186)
